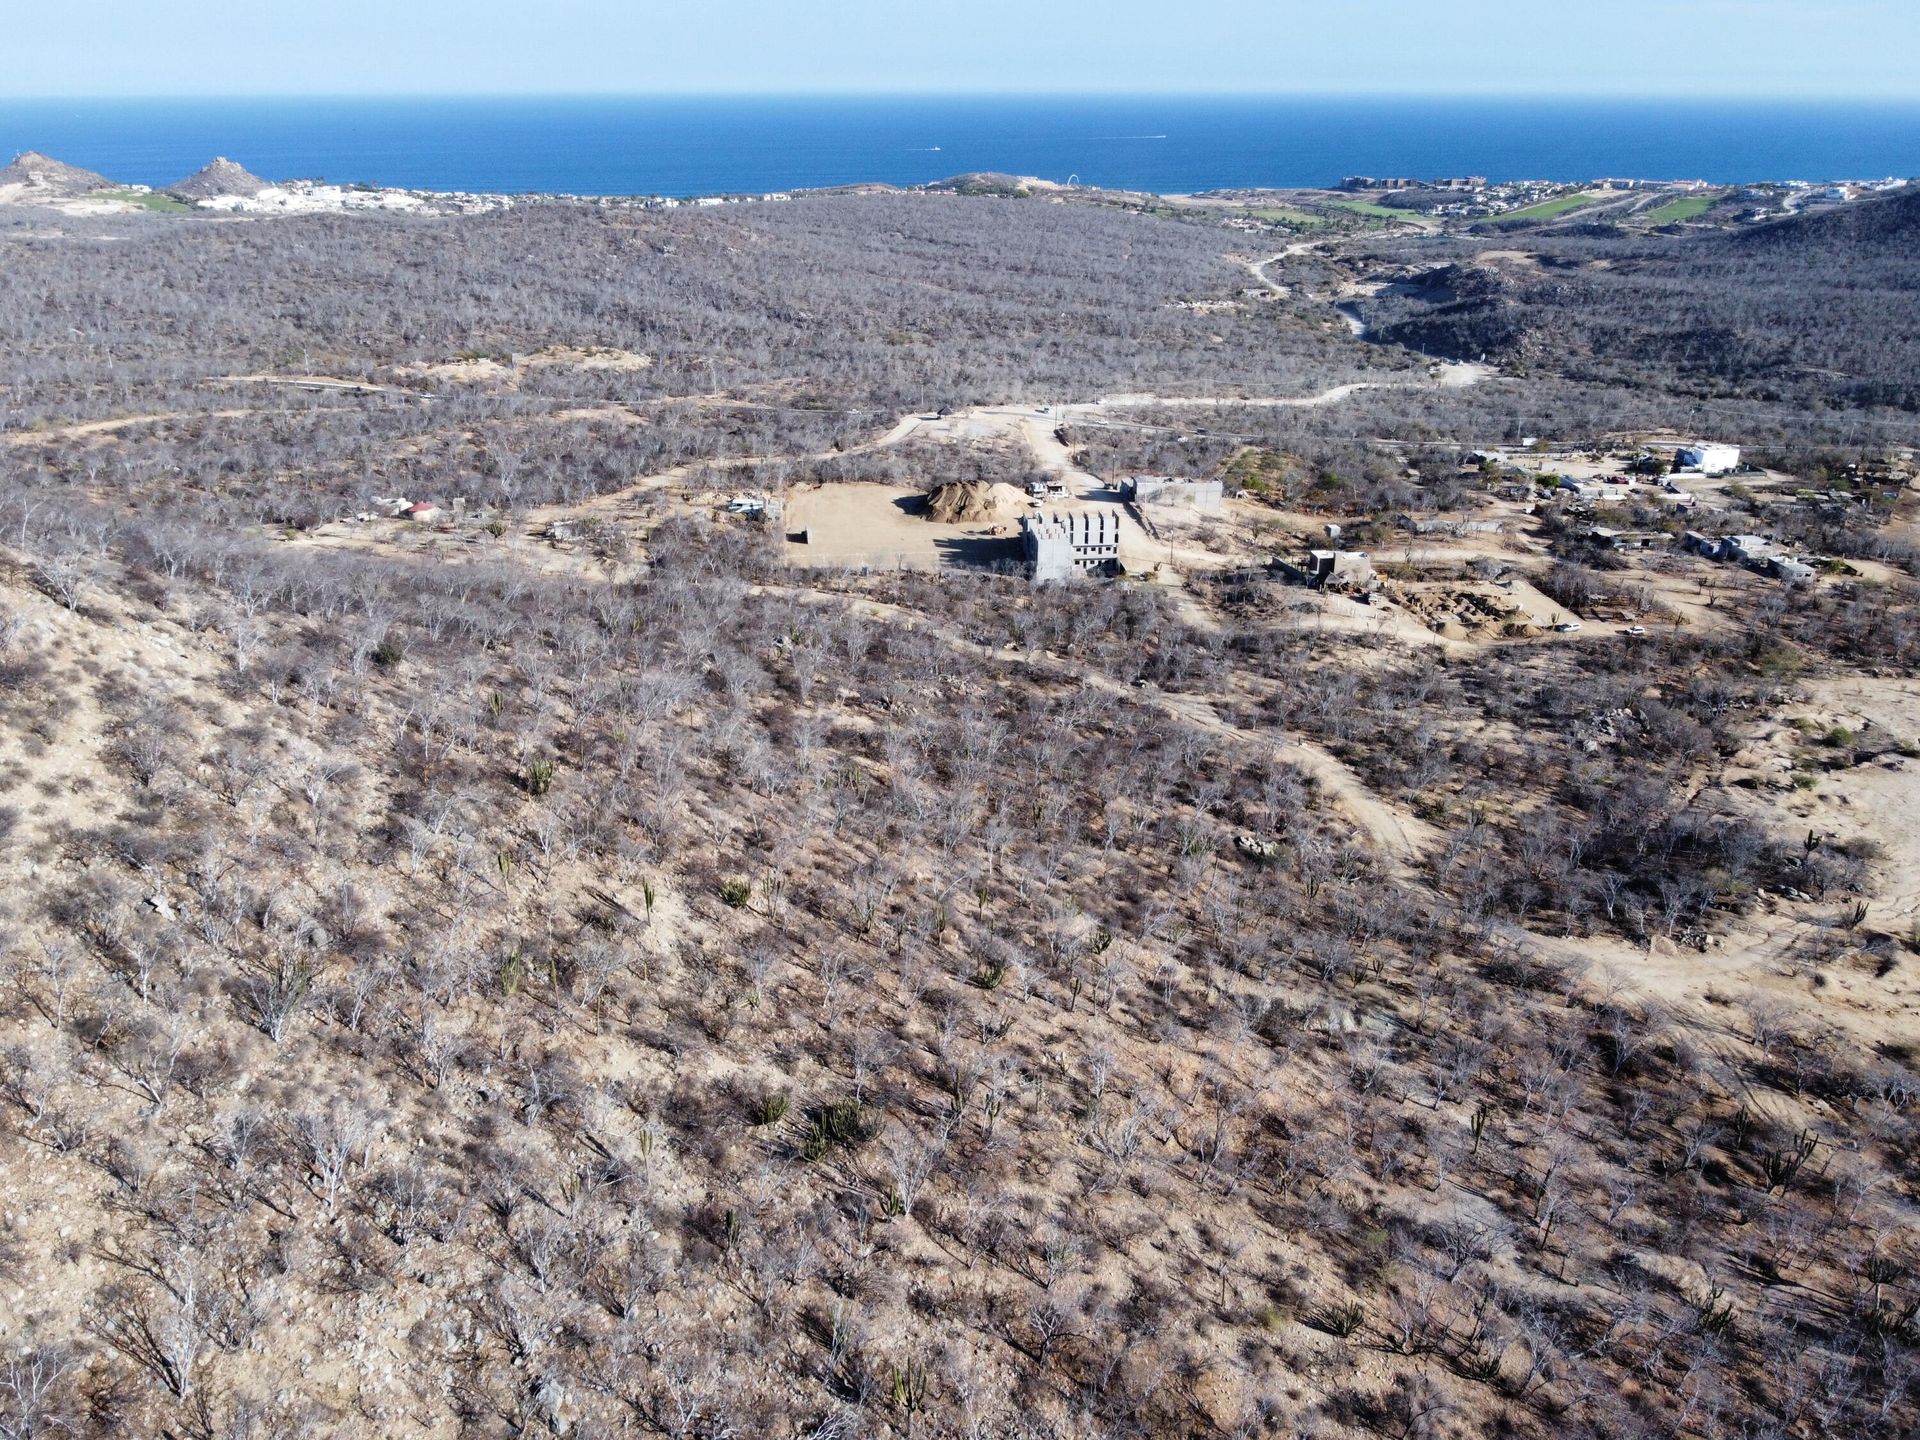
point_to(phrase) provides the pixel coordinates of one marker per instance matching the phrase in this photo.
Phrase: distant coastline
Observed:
(700, 146)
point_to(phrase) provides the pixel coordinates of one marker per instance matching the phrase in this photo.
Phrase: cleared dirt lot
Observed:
(884, 526)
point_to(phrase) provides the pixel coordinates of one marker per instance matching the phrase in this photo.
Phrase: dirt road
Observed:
(86, 428)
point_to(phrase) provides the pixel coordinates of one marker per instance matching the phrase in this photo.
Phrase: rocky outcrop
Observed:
(54, 179)
(222, 177)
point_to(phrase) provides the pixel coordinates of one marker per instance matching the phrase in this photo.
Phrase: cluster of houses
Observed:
(1755, 552)
(1401, 182)
(1613, 486)
(707, 202)
(1688, 187)
(399, 507)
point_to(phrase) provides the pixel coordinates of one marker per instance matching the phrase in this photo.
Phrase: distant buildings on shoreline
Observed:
(1397, 182)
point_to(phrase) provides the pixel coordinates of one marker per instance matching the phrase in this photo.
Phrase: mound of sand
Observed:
(480, 370)
(959, 501)
(596, 358)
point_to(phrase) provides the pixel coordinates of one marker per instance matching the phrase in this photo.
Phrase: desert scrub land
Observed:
(549, 967)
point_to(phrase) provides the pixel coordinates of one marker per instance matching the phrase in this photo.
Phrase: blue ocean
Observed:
(692, 146)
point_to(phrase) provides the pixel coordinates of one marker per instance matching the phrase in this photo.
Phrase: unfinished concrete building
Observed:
(1203, 497)
(1075, 542)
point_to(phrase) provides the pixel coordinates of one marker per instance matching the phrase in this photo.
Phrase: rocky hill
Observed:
(222, 177)
(989, 182)
(48, 177)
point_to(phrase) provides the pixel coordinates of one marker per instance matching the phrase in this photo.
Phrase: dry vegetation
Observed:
(1794, 311)
(493, 998)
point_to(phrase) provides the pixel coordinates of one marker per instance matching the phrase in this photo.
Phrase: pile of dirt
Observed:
(222, 177)
(46, 176)
(959, 501)
(1460, 612)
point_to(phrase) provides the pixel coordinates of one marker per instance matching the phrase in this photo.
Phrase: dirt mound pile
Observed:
(960, 501)
(47, 176)
(222, 177)
(1460, 612)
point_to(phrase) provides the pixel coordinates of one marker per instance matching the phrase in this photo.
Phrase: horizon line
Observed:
(1560, 94)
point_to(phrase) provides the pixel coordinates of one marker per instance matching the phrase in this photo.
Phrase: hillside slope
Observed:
(44, 177)
(560, 964)
(1807, 308)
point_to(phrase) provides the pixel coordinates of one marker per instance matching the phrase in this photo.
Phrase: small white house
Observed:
(1707, 459)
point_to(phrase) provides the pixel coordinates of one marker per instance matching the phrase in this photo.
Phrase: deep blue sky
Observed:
(1838, 48)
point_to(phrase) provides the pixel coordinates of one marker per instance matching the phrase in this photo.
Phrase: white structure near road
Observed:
(1707, 459)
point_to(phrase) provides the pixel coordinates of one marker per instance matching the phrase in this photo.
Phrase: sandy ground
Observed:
(885, 527)
(1878, 801)
(157, 656)
(1765, 958)
(596, 359)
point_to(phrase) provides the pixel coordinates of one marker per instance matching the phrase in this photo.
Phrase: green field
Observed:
(1371, 210)
(145, 200)
(1548, 209)
(1687, 207)
(1287, 215)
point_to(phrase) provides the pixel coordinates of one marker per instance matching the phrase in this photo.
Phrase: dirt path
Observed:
(86, 428)
(1400, 836)
(321, 382)
(1035, 424)
(1447, 376)
(1258, 269)
(1404, 837)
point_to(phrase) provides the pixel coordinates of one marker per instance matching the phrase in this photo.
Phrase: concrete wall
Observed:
(1049, 556)
(1207, 497)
